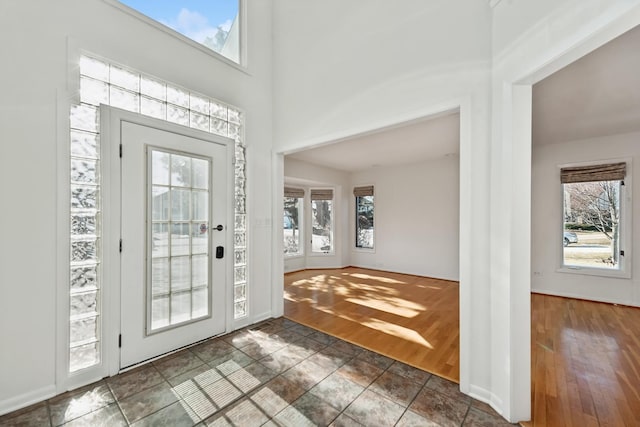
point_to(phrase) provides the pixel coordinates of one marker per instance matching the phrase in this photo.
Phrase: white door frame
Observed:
(110, 120)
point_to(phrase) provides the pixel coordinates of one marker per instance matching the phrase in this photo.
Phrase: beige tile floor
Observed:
(276, 373)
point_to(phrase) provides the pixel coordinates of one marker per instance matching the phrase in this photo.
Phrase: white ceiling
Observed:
(410, 143)
(598, 95)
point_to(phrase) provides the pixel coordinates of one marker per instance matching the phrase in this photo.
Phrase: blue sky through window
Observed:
(205, 21)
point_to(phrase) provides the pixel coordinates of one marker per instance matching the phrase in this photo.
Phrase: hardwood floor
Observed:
(408, 318)
(585, 355)
(585, 361)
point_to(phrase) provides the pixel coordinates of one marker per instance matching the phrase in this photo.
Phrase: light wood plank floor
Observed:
(585, 363)
(585, 355)
(408, 318)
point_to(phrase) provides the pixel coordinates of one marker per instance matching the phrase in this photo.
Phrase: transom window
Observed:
(594, 217)
(213, 24)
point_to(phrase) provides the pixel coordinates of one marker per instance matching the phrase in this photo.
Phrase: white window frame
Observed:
(310, 251)
(355, 225)
(301, 229)
(625, 236)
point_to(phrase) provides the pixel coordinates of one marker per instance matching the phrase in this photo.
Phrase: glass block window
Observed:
(109, 84)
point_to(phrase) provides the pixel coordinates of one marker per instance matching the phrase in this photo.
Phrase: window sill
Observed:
(293, 256)
(320, 254)
(364, 250)
(587, 271)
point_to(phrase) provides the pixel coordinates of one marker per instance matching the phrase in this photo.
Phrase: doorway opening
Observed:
(407, 167)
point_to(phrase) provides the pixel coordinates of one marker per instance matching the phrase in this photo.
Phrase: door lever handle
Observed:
(219, 227)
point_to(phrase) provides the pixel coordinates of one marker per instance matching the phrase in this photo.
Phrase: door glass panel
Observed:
(180, 274)
(160, 312)
(200, 272)
(160, 239)
(200, 205)
(160, 167)
(180, 238)
(160, 276)
(180, 202)
(200, 306)
(178, 287)
(200, 238)
(180, 307)
(180, 171)
(200, 174)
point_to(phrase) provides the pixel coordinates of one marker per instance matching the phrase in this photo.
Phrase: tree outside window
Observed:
(364, 222)
(592, 216)
(291, 226)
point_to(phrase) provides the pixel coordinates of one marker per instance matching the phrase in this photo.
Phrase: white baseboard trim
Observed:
(261, 317)
(584, 297)
(26, 399)
(486, 396)
(407, 272)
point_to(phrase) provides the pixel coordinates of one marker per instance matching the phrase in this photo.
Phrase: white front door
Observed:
(173, 228)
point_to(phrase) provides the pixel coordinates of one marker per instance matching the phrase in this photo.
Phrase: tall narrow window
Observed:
(364, 216)
(293, 198)
(322, 221)
(593, 216)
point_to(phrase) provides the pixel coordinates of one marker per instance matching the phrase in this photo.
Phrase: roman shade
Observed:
(363, 191)
(295, 193)
(605, 172)
(322, 194)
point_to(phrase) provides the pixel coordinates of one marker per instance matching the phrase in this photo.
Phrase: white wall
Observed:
(546, 249)
(305, 175)
(38, 38)
(525, 51)
(354, 66)
(339, 68)
(416, 219)
(344, 68)
(513, 18)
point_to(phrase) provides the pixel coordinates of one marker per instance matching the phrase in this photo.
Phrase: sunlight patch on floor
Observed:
(395, 306)
(398, 331)
(376, 278)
